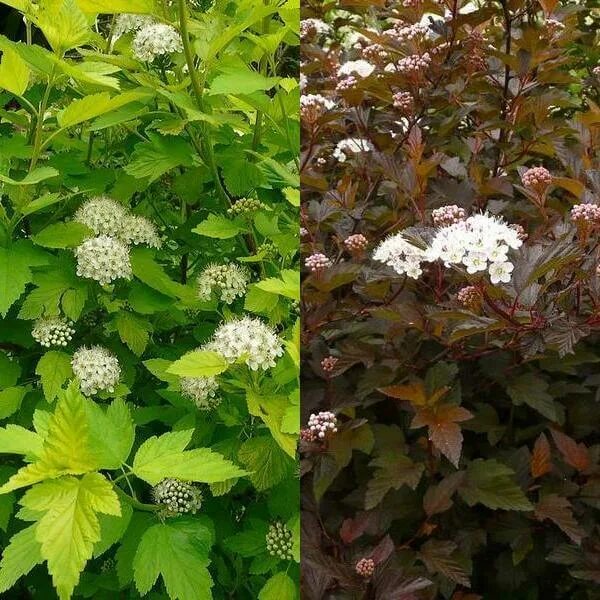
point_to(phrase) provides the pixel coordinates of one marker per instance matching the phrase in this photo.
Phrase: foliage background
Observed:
(181, 155)
(509, 385)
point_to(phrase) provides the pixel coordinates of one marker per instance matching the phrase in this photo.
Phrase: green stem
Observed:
(39, 128)
(153, 508)
(198, 89)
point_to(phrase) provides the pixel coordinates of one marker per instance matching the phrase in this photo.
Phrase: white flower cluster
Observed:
(202, 391)
(156, 39)
(104, 259)
(178, 496)
(126, 23)
(360, 67)
(229, 280)
(247, 339)
(351, 146)
(97, 368)
(102, 215)
(322, 424)
(314, 106)
(479, 243)
(310, 28)
(53, 331)
(136, 230)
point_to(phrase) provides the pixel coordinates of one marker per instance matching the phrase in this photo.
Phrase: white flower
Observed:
(247, 339)
(202, 391)
(139, 230)
(156, 39)
(500, 272)
(126, 23)
(229, 280)
(53, 331)
(401, 255)
(97, 368)
(102, 215)
(104, 259)
(360, 67)
(351, 146)
(475, 261)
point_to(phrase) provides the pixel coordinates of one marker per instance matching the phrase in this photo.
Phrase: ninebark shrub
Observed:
(450, 220)
(149, 288)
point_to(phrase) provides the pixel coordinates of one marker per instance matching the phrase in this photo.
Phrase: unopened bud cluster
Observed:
(311, 28)
(448, 215)
(586, 214)
(317, 262)
(328, 364)
(402, 32)
(404, 101)
(97, 368)
(365, 567)
(246, 207)
(469, 296)
(415, 64)
(227, 281)
(356, 242)
(53, 331)
(279, 541)
(323, 424)
(314, 106)
(178, 497)
(537, 178)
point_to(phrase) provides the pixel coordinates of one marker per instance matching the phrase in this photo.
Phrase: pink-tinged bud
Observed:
(356, 243)
(328, 364)
(448, 215)
(537, 178)
(365, 567)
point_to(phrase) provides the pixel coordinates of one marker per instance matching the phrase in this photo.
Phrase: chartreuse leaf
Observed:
(199, 363)
(14, 72)
(288, 285)
(178, 551)
(19, 557)
(165, 456)
(133, 331)
(66, 447)
(65, 26)
(69, 526)
(111, 432)
(54, 368)
(216, 226)
(62, 235)
(491, 483)
(266, 461)
(15, 271)
(109, 7)
(15, 439)
(280, 587)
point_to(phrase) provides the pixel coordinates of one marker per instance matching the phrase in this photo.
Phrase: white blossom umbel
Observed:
(53, 331)
(97, 368)
(156, 39)
(397, 252)
(102, 215)
(104, 259)
(247, 339)
(202, 391)
(137, 230)
(126, 23)
(351, 146)
(227, 281)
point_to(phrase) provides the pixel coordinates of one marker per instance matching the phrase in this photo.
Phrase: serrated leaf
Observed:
(437, 556)
(216, 226)
(392, 472)
(438, 498)
(69, 527)
(165, 456)
(171, 552)
(54, 369)
(532, 390)
(559, 511)
(280, 587)
(241, 177)
(62, 235)
(64, 25)
(541, 462)
(133, 331)
(109, 7)
(15, 439)
(199, 363)
(19, 557)
(10, 400)
(112, 528)
(10, 370)
(288, 285)
(574, 454)
(267, 463)
(491, 483)
(14, 72)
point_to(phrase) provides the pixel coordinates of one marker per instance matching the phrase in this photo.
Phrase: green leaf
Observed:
(62, 235)
(15, 272)
(159, 368)
(172, 551)
(288, 285)
(111, 7)
(19, 557)
(216, 226)
(54, 369)
(33, 178)
(280, 587)
(238, 79)
(15, 439)
(10, 400)
(133, 331)
(266, 461)
(111, 433)
(161, 154)
(164, 456)
(533, 391)
(40, 203)
(392, 472)
(14, 72)
(65, 27)
(69, 527)
(199, 363)
(9, 371)
(242, 176)
(491, 483)
(66, 446)
(112, 528)
(249, 543)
